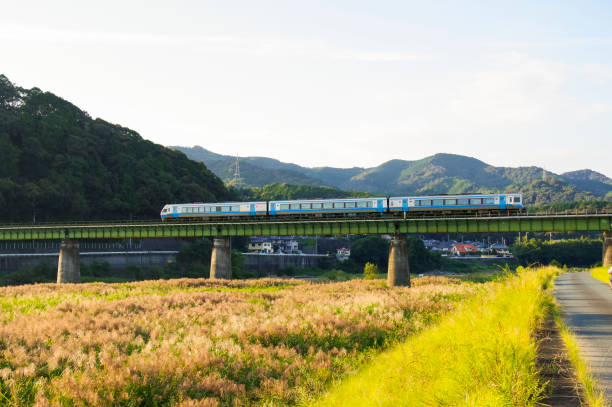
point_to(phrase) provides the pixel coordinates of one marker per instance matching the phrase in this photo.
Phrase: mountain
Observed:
(57, 163)
(254, 171)
(437, 174)
(589, 180)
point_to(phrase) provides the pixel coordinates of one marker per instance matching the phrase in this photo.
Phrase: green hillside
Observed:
(258, 176)
(254, 171)
(287, 191)
(56, 163)
(437, 174)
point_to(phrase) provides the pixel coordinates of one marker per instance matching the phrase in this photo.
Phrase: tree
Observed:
(370, 271)
(421, 259)
(576, 252)
(370, 249)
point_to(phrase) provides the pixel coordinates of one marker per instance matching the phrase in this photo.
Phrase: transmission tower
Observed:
(237, 181)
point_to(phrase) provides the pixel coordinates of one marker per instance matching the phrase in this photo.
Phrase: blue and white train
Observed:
(345, 206)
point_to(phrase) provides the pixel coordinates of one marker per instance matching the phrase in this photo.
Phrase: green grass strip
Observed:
(484, 354)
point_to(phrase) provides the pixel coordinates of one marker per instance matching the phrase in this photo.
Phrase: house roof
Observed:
(465, 248)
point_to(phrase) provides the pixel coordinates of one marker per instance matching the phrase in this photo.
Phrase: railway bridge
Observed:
(221, 231)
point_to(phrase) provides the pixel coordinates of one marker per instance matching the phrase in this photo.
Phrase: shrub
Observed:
(370, 271)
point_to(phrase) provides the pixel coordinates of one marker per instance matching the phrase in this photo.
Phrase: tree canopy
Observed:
(57, 163)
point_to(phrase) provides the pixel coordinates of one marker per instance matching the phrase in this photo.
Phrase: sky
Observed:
(332, 83)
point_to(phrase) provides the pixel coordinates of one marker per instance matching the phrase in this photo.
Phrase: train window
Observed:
(462, 201)
(338, 205)
(362, 204)
(450, 202)
(317, 206)
(284, 207)
(235, 208)
(438, 202)
(475, 201)
(294, 206)
(488, 201)
(328, 205)
(226, 209)
(349, 204)
(424, 202)
(306, 206)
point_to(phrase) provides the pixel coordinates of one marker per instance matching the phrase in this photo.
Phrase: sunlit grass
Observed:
(481, 355)
(601, 274)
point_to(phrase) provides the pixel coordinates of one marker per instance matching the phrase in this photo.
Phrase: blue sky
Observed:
(339, 83)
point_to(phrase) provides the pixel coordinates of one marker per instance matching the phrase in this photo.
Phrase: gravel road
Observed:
(587, 310)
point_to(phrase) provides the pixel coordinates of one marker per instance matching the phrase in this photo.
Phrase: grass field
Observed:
(601, 274)
(482, 355)
(197, 342)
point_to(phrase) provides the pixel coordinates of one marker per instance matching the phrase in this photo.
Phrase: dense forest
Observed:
(571, 252)
(57, 163)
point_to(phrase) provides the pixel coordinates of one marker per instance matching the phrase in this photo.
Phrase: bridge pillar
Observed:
(607, 249)
(69, 266)
(221, 259)
(398, 273)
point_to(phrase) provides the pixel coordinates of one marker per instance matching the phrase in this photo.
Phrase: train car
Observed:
(213, 210)
(456, 202)
(328, 206)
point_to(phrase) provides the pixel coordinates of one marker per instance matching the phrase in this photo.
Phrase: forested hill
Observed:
(58, 163)
(437, 174)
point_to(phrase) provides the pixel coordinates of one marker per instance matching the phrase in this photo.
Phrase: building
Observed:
(343, 254)
(274, 244)
(261, 247)
(462, 249)
(500, 249)
(443, 247)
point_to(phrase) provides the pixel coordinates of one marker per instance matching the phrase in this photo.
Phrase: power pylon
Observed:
(237, 182)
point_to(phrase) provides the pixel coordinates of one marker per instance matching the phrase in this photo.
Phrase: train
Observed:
(378, 206)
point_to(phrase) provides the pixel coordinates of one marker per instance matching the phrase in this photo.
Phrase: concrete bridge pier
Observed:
(221, 259)
(398, 273)
(69, 265)
(607, 249)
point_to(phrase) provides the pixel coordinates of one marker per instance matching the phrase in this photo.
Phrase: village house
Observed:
(343, 254)
(462, 249)
(273, 244)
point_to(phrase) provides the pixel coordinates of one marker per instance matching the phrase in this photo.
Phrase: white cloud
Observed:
(511, 88)
(248, 45)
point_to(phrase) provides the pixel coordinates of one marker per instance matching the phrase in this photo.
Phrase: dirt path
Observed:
(587, 310)
(556, 369)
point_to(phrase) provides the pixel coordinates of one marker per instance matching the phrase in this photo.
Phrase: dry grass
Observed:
(197, 342)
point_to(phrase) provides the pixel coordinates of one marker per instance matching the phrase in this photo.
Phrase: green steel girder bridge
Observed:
(68, 268)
